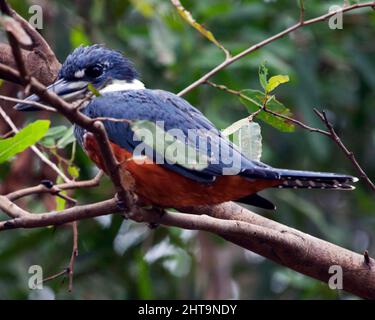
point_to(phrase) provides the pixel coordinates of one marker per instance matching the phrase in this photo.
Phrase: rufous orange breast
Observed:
(156, 185)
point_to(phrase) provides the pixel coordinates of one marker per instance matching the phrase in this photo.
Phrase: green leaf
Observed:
(78, 37)
(73, 171)
(255, 99)
(27, 137)
(144, 7)
(145, 281)
(48, 142)
(301, 4)
(263, 73)
(275, 81)
(93, 90)
(186, 15)
(54, 133)
(60, 202)
(67, 139)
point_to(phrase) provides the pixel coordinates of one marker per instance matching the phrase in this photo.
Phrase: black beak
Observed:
(67, 90)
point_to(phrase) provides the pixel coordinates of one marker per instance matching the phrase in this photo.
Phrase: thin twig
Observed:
(59, 274)
(41, 156)
(186, 15)
(265, 109)
(350, 155)
(267, 41)
(25, 79)
(8, 134)
(367, 258)
(301, 12)
(55, 189)
(65, 197)
(33, 103)
(273, 240)
(74, 254)
(322, 115)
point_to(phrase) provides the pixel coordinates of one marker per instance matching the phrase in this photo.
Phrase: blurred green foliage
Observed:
(330, 69)
(23, 139)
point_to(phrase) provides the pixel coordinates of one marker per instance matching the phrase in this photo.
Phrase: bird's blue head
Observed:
(107, 70)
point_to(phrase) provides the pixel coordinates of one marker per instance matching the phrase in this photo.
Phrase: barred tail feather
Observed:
(315, 180)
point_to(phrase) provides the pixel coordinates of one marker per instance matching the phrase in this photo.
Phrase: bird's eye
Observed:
(94, 71)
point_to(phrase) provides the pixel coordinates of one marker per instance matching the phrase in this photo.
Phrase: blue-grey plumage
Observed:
(123, 97)
(175, 113)
(96, 64)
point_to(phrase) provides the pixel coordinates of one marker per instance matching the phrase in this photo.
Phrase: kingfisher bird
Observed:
(158, 181)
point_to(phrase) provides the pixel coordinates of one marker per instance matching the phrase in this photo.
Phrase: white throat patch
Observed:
(122, 85)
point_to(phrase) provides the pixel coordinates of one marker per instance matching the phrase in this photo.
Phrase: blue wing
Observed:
(175, 113)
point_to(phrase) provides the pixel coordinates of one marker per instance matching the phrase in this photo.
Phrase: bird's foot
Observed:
(121, 206)
(160, 212)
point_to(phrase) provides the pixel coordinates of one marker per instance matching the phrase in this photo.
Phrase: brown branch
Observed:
(78, 118)
(8, 134)
(267, 41)
(33, 103)
(349, 154)
(9, 74)
(59, 274)
(23, 219)
(323, 117)
(11, 209)
(186, 15)
(265, 109)
(74, 254)
(39, 59)
(297, 250)
(284, 245)
(42, 188)
(301, 12)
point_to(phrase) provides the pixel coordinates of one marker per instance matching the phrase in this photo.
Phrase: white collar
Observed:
(122, 85)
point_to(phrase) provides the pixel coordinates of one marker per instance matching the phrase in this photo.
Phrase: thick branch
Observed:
(282, 244)
(297, 250)
(26, 220)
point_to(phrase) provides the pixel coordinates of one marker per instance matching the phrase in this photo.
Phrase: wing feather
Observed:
(176, 113)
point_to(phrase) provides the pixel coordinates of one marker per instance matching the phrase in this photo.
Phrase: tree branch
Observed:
(42, 188)
(267, 41)
(349, 154)
(284, 245)
(281, 244)
(331, 133)
(23, 219)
